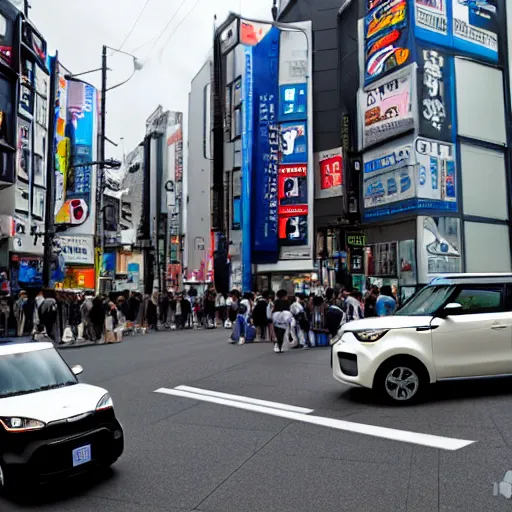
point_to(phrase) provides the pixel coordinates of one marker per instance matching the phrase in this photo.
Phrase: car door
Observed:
(477, 340)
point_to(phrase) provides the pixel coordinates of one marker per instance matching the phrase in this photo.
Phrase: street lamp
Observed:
(137, 66)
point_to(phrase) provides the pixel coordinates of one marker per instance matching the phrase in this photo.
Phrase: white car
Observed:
(51, 425)
(457, 327)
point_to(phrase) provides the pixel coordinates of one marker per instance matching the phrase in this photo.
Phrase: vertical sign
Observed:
(263, 146)
(434, 84)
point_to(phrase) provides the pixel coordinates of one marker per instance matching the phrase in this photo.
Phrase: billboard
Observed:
(260, 145)
(386, 108)
(416, 175)
(75, 147)
(475, 27)
(329, 173)
(435, 71)
(77, 250)
(386, 38)
(431, 21)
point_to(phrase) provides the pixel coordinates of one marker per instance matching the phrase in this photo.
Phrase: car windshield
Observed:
(427, 301)
(30, 372)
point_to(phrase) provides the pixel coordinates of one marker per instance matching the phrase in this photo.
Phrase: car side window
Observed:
(480, 299)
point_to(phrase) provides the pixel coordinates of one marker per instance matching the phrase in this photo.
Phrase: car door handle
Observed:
(498, 327)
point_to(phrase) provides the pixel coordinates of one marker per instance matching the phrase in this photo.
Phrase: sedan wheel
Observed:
(401, 382)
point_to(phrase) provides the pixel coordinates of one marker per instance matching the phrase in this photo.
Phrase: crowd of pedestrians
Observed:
(298, 320)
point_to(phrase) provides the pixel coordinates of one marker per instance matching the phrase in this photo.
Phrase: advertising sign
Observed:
(77, 250)
(329, 173)
(386, 109)
(476, 26)
(293, 57)
(385, 159)
(260, 146)
(293, 185)
(292, 102)
(293, 225)
(435, 93)
(77, 195)
(439, 247)
(386, 38)
(431, 20)
(436, 185)
(294, 147)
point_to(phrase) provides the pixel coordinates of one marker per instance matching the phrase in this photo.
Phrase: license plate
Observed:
(81, 455)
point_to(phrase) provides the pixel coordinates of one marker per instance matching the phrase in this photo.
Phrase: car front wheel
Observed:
(401, 381)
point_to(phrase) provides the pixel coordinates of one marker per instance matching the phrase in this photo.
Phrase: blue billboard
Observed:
(265, 148)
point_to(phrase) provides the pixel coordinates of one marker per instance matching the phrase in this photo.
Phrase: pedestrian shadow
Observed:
(57, 493)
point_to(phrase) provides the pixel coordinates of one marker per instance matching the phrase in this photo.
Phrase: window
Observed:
(474, 299)
(237, 92)
(427, 301)
(236, 130)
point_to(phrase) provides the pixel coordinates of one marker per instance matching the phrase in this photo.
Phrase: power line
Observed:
(166, 27)
(178, 26)
(135, 24)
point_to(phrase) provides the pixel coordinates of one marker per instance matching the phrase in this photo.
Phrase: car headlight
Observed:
(336, 338)
(105, 402)
(369, 336)
(16, 424)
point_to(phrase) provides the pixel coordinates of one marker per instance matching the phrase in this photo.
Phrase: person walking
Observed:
(370, 301)
(259, 316)
(353, 308)
(19, 312)
(284, 323)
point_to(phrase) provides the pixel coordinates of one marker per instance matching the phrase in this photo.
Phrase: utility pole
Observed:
(49, 215)
(101, 181)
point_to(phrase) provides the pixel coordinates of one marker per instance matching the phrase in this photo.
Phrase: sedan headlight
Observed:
(16, 424)
(336, 338)
(370, 336)
(105, 403)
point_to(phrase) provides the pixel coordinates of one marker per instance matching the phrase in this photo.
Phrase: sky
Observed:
(78, 29)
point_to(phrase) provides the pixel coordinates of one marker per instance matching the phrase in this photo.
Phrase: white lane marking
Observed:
(442, 443)
(246, 400)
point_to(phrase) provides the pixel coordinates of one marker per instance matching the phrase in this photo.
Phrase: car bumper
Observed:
(353, 362)
(42, 460)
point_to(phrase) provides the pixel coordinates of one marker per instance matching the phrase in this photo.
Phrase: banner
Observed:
(436, 174)
(476, 27)
(386, 38)
(386, 109)
(77, 250)
(329, 173)
(435, 94)
(77, 194)
(260, 146)
(431, 21)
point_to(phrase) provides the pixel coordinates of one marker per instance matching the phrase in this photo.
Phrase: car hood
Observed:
(388, 322)
(54, 404)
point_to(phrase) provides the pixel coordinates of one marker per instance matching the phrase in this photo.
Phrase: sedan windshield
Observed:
(30, 372)
(427, 301)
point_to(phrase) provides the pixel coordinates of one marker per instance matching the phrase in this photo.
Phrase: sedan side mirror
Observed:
(77, 369)
(453, 308)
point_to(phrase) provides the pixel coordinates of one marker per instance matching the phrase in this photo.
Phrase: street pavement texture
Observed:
(188, 455)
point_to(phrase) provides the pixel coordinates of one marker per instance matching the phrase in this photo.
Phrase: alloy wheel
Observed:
(402, 383)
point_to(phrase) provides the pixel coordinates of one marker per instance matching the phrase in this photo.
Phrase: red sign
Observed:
(293, 170)
(331, 172)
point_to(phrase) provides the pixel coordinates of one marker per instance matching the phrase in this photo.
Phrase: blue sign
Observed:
(293, 102)
(432, 22)
(391, 158)
(265, 148)
(294, 143)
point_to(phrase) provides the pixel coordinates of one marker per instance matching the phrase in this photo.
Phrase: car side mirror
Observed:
(77, 369)
(453, 308)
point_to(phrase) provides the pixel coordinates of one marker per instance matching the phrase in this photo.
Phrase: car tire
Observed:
(401, 381)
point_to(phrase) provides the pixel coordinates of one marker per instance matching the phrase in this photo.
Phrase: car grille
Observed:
(57, 456)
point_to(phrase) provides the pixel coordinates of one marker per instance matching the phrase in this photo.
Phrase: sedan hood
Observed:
(54, 404)
(388, 322)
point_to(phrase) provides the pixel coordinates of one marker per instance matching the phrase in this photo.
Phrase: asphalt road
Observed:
(187, 455)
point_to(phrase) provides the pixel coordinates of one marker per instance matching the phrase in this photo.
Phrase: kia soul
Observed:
(457, 327)
(51, 425)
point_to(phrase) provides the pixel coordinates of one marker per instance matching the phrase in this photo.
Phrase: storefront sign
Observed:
(476, 26)
(387, 109)
(77, 195)
(386, 38)
(434, 81)
(77, 249)
(436, 174)
(355, 239)
(293, 102)
(260, 145)
(356, 260)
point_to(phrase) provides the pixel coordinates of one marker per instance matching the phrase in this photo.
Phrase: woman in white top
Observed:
(284, 323)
